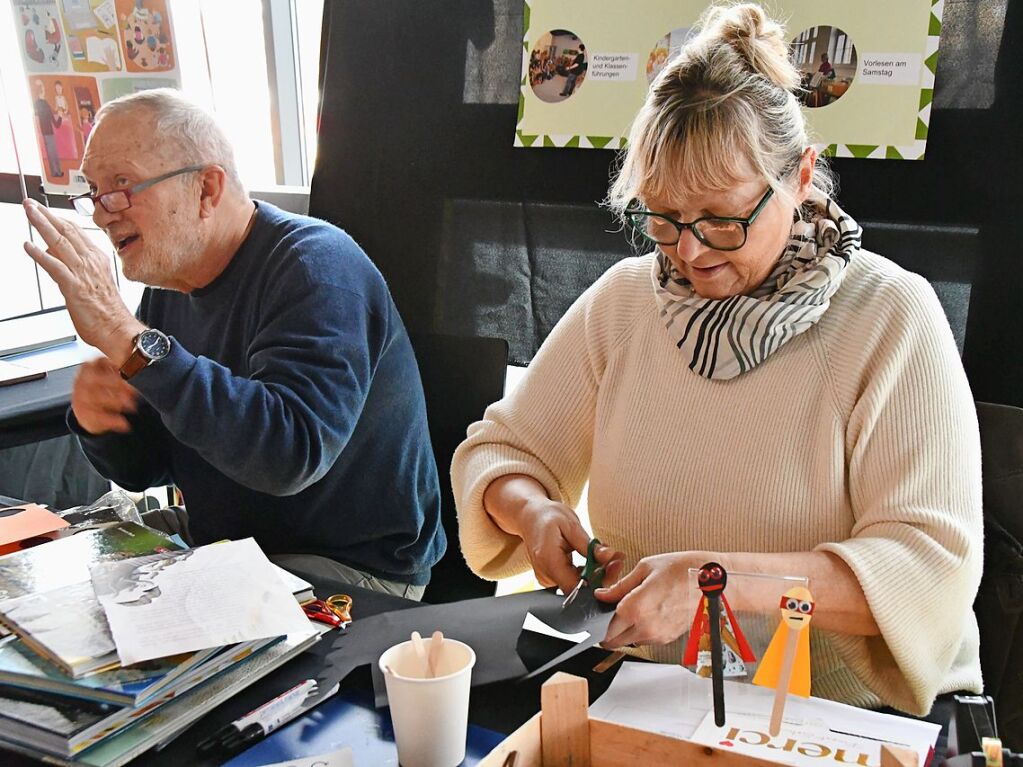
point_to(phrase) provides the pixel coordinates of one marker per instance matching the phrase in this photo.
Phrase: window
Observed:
(802, 46)
(843, 50)
(253, 62)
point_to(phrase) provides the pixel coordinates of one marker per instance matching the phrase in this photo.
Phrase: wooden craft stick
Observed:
(609, 661)
(782, 689)
(717, 672)
(420, 647)
(433, 658)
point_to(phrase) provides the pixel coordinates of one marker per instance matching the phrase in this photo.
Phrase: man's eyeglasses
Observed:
(120, 199)
(717, 232)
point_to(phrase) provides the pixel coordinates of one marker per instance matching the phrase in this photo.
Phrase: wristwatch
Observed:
(149, 346)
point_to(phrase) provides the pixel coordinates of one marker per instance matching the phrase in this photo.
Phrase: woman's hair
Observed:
(722, 107)
(185, 129)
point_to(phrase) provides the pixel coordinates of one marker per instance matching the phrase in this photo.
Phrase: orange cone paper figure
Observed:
(786, 662)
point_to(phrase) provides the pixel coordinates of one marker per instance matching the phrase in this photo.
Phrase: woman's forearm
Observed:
(840, 603)
(506, 498)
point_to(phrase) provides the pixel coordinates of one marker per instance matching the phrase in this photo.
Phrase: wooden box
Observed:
(564, 735)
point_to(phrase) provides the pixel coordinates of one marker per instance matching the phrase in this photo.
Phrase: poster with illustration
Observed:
(588, 64)
(60, 40)
(65, 110)
(146, 33)
(39, 33)
(115, 87)
(91, 30)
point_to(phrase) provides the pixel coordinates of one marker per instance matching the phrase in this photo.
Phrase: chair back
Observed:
(999, 604)
(461, 376)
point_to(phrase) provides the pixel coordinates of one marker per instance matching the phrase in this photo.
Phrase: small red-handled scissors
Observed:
(334, 611)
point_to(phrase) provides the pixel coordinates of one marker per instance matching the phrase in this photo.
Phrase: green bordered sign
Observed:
(867, 69)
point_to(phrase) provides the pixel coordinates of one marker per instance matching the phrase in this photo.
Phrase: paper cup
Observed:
(430, 715)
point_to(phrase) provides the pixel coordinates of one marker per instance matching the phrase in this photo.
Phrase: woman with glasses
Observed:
(757, 390)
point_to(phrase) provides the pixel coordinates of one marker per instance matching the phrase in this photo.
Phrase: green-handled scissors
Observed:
(592, 574)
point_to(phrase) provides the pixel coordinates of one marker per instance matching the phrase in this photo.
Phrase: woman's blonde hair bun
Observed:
(754, 36)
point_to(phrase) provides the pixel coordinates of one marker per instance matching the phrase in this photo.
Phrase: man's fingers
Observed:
(97, 421)
(63, 238)
(51, 265)
(43, 221)
(99, 386)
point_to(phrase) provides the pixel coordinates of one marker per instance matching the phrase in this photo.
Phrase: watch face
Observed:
(154, 344)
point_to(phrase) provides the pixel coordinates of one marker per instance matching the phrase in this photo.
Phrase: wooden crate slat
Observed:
(565, 721)
(614, 745)
(525, 741)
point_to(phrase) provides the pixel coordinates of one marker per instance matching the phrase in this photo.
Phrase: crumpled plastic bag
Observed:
(109, 509)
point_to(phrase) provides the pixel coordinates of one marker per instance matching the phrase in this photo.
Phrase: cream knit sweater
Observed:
(858, 437)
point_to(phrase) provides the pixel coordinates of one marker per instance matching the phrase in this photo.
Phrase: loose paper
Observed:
(856, 740)
(673, 701)
(165, 604)
(340, 758)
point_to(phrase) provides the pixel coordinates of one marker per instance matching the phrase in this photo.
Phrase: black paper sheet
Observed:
(490, 626)
(585, 613)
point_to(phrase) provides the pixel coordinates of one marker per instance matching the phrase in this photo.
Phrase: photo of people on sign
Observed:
(826, 59)
(557, 65)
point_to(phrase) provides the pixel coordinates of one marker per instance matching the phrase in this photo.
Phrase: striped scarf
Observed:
(723, 338)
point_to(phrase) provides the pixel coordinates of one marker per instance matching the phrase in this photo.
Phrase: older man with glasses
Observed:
(271, 378)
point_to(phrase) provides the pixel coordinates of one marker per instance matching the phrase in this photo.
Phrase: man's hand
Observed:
(83, 273)
(651, 600)
(100, 398)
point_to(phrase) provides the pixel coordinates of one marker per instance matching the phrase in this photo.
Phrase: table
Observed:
(34, 410)
(501, 707)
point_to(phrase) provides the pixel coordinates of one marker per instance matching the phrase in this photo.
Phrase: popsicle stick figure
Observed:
(708, 620)
(786, 662)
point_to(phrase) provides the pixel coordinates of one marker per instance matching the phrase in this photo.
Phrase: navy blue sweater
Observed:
(290, 407)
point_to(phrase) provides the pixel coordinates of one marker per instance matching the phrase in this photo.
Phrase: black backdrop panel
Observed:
(477, 237)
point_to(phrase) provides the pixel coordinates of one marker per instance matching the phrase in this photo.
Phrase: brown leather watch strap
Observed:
(135, 362)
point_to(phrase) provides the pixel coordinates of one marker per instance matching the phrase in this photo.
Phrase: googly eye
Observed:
(704, 576)
(792, 604)
(715, 572)
(805, 607)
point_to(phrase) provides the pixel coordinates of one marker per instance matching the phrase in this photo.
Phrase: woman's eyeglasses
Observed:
(717, 232)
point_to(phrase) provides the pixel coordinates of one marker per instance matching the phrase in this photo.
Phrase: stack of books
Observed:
(64, 696)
